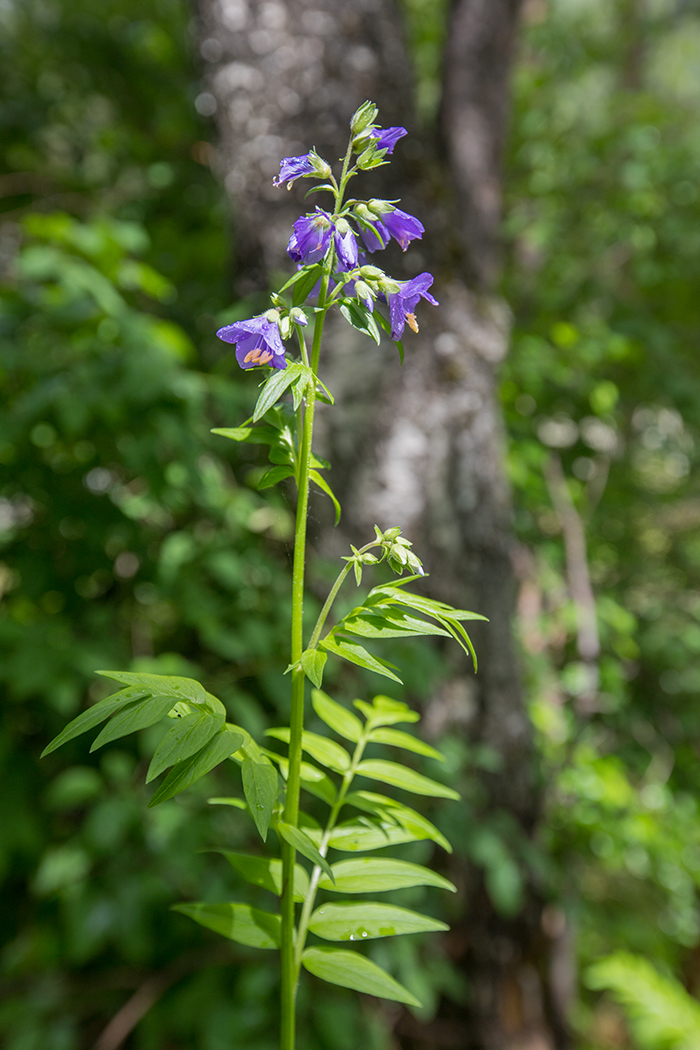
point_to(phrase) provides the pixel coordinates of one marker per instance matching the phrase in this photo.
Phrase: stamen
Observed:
(412, 323)
(250, 356)
(265, 357)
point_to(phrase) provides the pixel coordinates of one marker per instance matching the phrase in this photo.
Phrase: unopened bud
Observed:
(342, 226)
(373, 272)
(362, 212)
(362, 290)
(285, 327)
(387, 285)
(369, 559)
(380, 207)
(320, 166)
(392, 533)
(277, 300)
(298, 316)
(272, 316)
(363, 117)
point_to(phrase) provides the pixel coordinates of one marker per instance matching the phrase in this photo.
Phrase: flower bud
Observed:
(285, 327)
(363, 213)
(387, 285)
(372, 272)
(362, 290)
(380, 208)
(298, 316)
(342, 226)
(321, 167)
(277, 300)
(392, 533)
(272, 316)
(363, 117)
(369, 559)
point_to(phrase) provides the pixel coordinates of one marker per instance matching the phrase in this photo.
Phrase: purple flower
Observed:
(257, 342)
(388, 137)
(293, 168)
(311, 237)
(398, 224)
(403, 303)
(346, 250)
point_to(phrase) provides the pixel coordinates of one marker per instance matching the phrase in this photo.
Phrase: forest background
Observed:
(131, 539)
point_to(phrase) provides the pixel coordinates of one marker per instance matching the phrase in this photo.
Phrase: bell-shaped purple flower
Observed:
(257, 342)
(311, 237)
(402, 304)
(372, 241)
(346, 250)
(403, 227)
(388, 137)
(293, 168)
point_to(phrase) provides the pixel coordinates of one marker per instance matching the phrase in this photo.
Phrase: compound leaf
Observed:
(238, 922)
(187, 736)
(352, 970)
(136, 716)
(342, 721)
(380, 875)
(327, 752)
(400, 776)
(356, 654)
(397, 738)
(94, 715)
(301, 842)
(221, 746)
(348, 921)
(267, 872)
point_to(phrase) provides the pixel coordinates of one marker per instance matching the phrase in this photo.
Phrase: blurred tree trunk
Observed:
(419, 446)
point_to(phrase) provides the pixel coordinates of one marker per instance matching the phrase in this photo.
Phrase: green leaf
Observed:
(402, 777)
(267, 872)
(275, 386)
(238, 922)
(360, 318)
(314, 780)
(94, 715)
(237, 803)
(415, 823)
(377, 624)
(305, 284)
(220, 747)
(273, 476)
(396, 738)
(260, 788)
(327, 752)
(356, 654)
(342, 721)
(348, 921)
(312, 662)
(352, 837)
(187, 736)
(136, 716)
(235, 433)
(381, 874)
(316, 269)
(319, 480)
(352, 970)
(300, 841)
(384, 711)
(162, 685)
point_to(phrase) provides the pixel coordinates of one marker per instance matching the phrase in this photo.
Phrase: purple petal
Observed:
(372, 242)
(403, 227)
(346, 250)
(293, 168)
(388, 137)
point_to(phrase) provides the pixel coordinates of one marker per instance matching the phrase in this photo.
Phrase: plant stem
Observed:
(296, 724)
(323, 615)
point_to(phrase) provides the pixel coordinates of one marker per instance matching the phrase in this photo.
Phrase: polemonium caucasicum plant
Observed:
(328, 246)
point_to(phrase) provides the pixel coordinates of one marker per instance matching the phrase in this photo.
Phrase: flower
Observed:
(311, 237)
(398, 224)
(346, 249)
(257, 342)
(293, 168)
(403, 303)
(387, 137)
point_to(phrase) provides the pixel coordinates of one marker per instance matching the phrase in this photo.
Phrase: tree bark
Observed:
(419, 446)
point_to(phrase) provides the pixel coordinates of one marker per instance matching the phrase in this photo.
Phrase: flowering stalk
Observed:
(333, 273)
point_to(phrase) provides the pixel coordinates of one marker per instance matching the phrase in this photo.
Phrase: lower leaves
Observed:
(352, 970)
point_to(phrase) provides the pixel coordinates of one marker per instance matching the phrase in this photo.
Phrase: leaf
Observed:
(94, 715)
(162, 685)
(260, 789)
(356, 654)
(273, 476)
(402, 777)
(353, 837)
(267, 872)
(238, 922)
(237, 803)
(352, 970)
(360, 318)
(187, 736)
(314, 780)
(380, 875)
(220, 747)
(316, 269)
(312, 662)
(327, 752)
(348, 921)
(325, 487)
(136, 716)
(275, 386)
(396, 738)
(342, 721)
(380, 625)
(408, 818)
(300, 841)
(384, 711)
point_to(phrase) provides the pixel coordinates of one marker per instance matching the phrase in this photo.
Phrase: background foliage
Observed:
(130, 535)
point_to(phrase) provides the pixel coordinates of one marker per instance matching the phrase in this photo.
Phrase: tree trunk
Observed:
(419, 446)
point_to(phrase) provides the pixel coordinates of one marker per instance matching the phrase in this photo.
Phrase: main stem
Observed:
(291, 807)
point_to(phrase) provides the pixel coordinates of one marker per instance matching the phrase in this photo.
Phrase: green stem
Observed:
(323, 848)
(323, 615)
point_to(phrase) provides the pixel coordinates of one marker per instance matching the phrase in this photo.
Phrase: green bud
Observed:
(380, 207)
(400, 554)
(368, 155)
(392, 533)
(373, 272)
(298, 316)
(363, 117)
(369, 559)
(277, 300)
(320, 166)
(386, 284)
(342, 226)
(285, 327)
(363, 213)
(363, 291)
(272, 316)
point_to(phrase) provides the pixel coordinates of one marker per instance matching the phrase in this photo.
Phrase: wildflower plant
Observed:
(328, 246)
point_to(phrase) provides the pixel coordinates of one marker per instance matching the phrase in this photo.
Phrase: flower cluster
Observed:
(330, 244)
